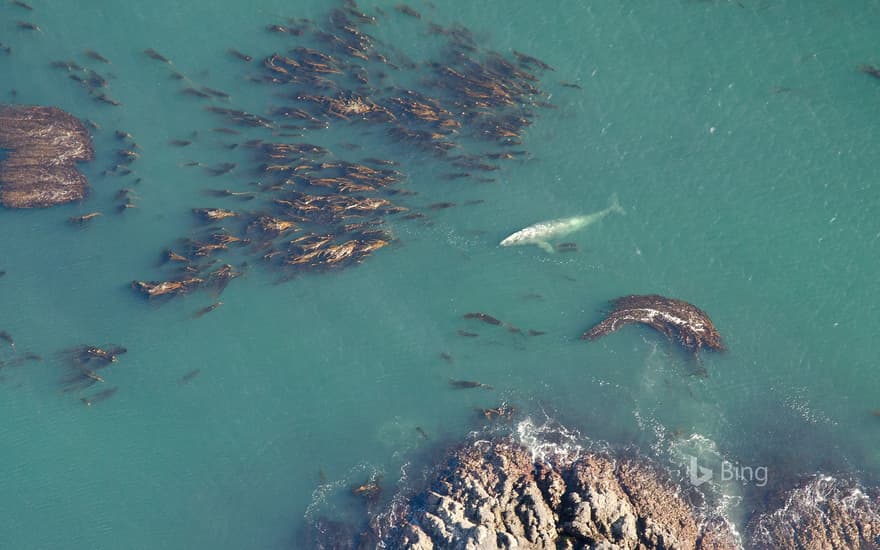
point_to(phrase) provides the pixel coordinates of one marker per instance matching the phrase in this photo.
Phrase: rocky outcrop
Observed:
(496, 495)
(44, 144)
(492, 495)
(823, 514)
(676, 319)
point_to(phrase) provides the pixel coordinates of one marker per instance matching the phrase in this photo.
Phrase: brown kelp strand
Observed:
(153, 54)
(7, 338)
(92, 54)
(82, 220)
(28, 26)
(190, 376)
(207, 309)
(483, 317)
(99, 396)
(19, 359)
(94, 83)
(467, 384)
(152, 289)
(95, 357)
(870, 70)
(502, 411)
(82, 365)
(241, 118)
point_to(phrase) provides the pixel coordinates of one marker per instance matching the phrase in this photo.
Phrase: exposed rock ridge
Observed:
(495, 495)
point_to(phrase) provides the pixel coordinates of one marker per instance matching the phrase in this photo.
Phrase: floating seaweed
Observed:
(100, 396)
(213, 214)
(92, 54)
(468, 384)
(502, 411)
(153, 54)
(369, 491)
(28, 26)
(314, 211)
(83, 363)
(243, 57)
(483, 317)
(6, 337)
(80, 220)
(44, 144)
(95, 357)
(190, 376)
(205, 310)
(153, 289)
(869, 70)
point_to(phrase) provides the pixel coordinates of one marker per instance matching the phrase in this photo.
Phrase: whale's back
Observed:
(539, 231)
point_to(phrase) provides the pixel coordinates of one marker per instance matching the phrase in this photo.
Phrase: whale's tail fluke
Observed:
(614, 205)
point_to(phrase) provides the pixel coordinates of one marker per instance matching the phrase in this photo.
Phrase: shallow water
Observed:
(739, 137)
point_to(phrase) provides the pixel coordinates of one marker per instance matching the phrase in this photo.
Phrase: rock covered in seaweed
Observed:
(676, 319)
(44, 144)
(497, 495)
(824, 513)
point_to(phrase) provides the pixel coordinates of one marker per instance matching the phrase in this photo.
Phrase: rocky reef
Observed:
(44, 144)
(500, 494)
(678, 320)
(823, 513)
(495, 494)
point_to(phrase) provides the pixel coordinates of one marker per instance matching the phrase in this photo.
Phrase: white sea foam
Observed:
(549, 441)
(326, 495)
(722, 498)
(396, 512)
(798, 402)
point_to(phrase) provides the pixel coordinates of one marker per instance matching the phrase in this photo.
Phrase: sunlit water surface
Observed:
(739, 136)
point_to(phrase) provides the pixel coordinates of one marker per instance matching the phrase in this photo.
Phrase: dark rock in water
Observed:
(677, 319)
(44, 144)
(497, 495)
(824, 513)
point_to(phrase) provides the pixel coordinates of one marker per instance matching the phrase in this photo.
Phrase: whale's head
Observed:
(512, 240)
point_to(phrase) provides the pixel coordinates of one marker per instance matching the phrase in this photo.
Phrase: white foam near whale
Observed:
(540, 233)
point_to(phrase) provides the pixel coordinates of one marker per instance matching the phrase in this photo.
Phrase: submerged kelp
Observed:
(82, 365)
(44, 144)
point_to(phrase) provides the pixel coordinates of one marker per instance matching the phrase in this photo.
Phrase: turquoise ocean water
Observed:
(739, 137)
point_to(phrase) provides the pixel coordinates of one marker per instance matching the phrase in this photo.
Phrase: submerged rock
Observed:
(824, 513)
(44, 144)
(676, 319)
(496, 495)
